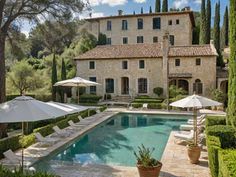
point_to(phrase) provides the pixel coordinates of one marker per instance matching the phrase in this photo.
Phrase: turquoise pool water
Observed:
(114, 141)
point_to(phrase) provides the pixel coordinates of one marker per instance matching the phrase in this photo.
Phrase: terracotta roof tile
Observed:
(145, 51)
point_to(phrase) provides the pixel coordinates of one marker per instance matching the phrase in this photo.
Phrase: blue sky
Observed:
(110, 7)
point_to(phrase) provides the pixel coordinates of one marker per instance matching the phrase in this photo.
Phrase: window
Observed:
(141, 64)
(197, 86)
(177, 62)
(124, 64)
(177, 21)
(198, 61)
(170, 22)
(139, 39)
(108, 41)
(93, 89)
(125, 40)
(124, 25)
(155, 39)
(157, 23)
(108, 25)
(140, 23)
(92, 65)
(172, 39)
(142, 85)
(109, 85)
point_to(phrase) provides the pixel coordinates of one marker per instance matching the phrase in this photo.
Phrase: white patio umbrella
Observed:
(76, 82)
(195, 102)
(27, 109)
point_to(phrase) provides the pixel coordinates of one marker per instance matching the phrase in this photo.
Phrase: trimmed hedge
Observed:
(213, 146)
(147, 101)
(215, 120)
(227, 163)
(154, 106)
(225, 133)
(89, 98)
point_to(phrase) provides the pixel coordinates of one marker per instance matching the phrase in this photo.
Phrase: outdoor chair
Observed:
(44, 140)
(61, 132)
(184, 136)
(72, 124)
(199, 119)
(145, 106)
(14, 159)
(188, 127)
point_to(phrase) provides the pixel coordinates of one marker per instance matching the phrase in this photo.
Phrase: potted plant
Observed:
(147, 165)
(194, 152)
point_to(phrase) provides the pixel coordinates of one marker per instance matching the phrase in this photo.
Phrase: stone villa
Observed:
(145, 51)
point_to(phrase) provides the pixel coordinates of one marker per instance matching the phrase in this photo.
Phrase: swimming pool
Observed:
(114, 141)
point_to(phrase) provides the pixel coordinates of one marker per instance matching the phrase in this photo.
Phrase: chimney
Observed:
(165, 57)
(120, 12)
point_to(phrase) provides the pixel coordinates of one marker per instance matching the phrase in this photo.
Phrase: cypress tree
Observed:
(203, 29)
(231, 111)
(134, 13)
(158, 6)
(141, 10)
(208, 22)
(63, 77)
(150, 9)
(165, 6)
(54, 77)
(225, 29)
(217, 34)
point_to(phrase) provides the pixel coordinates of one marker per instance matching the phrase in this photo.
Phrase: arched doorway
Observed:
(180, 83)
(198, 87)
(124, 85)
(224, 86)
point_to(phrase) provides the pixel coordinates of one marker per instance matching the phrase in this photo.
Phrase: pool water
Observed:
(114, 141)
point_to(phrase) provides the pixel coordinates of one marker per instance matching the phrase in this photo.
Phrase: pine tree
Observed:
(141, 10)
(208, 22)
(158, 6)
(217, 34)
(63, 77)
(54, 77)
(225, 29)
(150, 9)
(203, 29)
(231, 111)
(165, 6)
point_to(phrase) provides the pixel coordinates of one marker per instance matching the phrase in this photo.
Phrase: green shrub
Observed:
(158, 91)
(225, 133)
(103, 108)
(27, 140)
(9, 143)
(213, 146)
(44, 98)
(137, 105)
(142, 97)
(154, 106)
(227, 163)
(174, 91)
(147, 101)
(86, 98)
(215, 120)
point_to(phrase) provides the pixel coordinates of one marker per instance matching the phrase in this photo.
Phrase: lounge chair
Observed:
(86, 120)
(187, 136)
(72, 124)
(145, 106)
(199, 119)
(98, 111)
(188, 127)
(44, 140)
(61, 132)
(14, 159)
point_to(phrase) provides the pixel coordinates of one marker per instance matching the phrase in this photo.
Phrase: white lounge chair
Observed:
(61, 132)
(98, 111)
(199, 119)
(145, 106)
(183, 135)
(14, 159)
(86, 120)
(44, 140)
(188, 127)
(72, 124)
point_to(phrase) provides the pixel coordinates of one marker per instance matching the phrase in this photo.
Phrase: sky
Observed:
(110, 7)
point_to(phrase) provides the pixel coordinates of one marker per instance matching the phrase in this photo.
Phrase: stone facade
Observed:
(178, 24)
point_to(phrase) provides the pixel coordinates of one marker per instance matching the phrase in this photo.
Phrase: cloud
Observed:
(108, 2)
(197, 1)
(140, 1)
(180, 3)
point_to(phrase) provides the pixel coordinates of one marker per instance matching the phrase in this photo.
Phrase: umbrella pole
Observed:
(195, 125)
(78, 93)
(22, 152)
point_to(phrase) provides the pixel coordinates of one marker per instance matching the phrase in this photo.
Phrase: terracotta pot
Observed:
(194, 153)
(149, 171)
